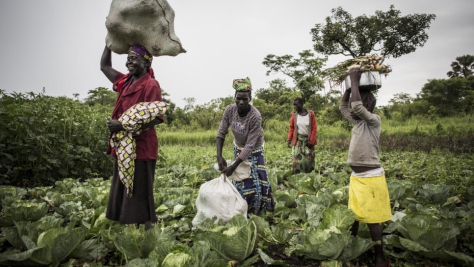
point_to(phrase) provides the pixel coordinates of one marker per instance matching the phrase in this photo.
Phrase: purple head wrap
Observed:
(141, 52)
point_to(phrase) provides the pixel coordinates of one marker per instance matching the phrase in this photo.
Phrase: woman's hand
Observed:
(151, 124)
(114, 126)
(289, 143)
(229, 170)
(355, 74)
(221, 163)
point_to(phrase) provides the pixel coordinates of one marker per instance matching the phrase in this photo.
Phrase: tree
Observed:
(267, 110)
(225, 101)
(400, 107)
(189, 107)
(401, 99)
(449, 96)
(169, 115)
(102, 96)
(387, 33)
(304, 70)
(206, 116)
(276, 101)
(462, 67)
(273, 93)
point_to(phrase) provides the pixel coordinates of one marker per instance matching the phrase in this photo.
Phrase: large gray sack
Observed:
(149, 23)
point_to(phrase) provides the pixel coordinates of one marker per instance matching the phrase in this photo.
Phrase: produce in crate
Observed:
(370, 65)
(149, 23)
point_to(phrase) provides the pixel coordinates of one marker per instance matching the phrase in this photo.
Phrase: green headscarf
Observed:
(242, 85)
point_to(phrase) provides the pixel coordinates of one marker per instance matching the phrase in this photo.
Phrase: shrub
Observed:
(44, 139)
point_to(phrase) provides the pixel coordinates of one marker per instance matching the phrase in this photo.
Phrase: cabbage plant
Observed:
(331, 239)
(234, 241)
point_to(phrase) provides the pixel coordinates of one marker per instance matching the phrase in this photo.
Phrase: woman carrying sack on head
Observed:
(246, 124)
(131, 197)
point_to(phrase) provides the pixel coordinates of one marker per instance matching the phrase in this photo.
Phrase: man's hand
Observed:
(114, 126)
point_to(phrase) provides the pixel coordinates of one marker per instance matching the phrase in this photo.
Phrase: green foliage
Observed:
(101, 96)
(136, 243)
(205, 117)
(304, 71)
(51, 224)
(387, 32)
(331, 239)
(330, 115)
(234, 241)
(170, 115)
(275, 102)
(23, 211)
(449, 96)
(431, 230)
(462, 67)
(52, 246)
(44, 139)
(431, 197)
(438, 98)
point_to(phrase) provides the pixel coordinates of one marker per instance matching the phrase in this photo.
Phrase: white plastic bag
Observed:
(219, 198)
(241, 172)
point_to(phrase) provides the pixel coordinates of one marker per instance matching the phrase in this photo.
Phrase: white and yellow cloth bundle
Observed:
(123, 142)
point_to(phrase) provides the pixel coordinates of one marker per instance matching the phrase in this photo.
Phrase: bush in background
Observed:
(44, 139)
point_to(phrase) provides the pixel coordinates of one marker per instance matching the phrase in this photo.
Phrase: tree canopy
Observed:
(304, 70)
(387, 33)
(462, 67)
(101, 96)
(449, 96)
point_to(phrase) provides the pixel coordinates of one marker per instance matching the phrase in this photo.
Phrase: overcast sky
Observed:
(57, 44)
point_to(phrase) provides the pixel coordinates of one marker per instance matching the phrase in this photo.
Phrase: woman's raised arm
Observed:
(106, 65)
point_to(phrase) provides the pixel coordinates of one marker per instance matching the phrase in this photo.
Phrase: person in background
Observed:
(245, 122)
(368, 191)
(138, 85)
(302, 137)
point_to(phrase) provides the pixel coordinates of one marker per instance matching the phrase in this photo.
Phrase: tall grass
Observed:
(418, 133)
(180, 137)
(427, 124)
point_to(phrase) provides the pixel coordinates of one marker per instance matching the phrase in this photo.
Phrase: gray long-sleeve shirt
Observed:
(247, 130)
(364, 145)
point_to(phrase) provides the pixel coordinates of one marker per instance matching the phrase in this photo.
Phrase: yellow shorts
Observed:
(369, 200)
